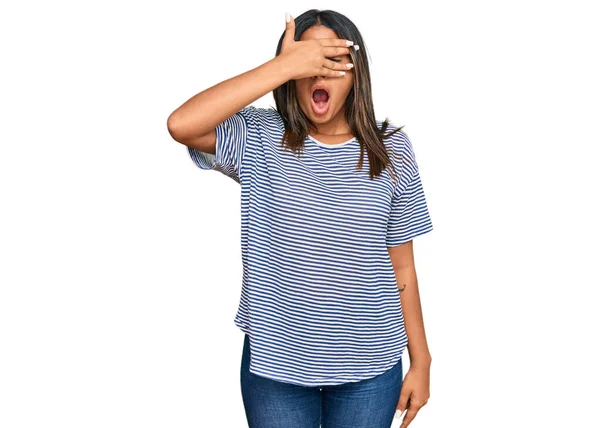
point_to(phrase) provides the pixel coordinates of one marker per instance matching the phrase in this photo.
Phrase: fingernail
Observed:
(398, 414)
(287, 17)
(355, 47)
(349, 42)
(342, 72)
(349, 65)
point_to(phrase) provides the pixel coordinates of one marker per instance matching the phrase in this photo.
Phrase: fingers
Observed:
(290, 28)
(403, 400)
(335, 69)
(338, 65)
(335, 42)
(411, 412)
(402, 403)
(331, 52)
(408, 417)
(328, 72)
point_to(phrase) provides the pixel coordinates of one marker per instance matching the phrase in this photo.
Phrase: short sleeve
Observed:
(233, 136)
(409, 215)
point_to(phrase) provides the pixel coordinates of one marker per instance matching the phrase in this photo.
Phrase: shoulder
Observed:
(399, 148)
(405, 147)
(265, 119)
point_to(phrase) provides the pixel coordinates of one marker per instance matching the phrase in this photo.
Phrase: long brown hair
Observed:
(359, 109)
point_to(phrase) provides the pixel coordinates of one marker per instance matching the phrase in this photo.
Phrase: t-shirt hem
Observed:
(323, 382)
(330, 382)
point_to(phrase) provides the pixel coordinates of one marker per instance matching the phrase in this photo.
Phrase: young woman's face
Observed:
(337, 87)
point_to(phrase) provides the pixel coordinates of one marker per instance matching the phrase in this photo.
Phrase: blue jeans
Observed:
(369, 403)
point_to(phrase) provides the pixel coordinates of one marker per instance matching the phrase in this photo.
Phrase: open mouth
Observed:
(320, 101)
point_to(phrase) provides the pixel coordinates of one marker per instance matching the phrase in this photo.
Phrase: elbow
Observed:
(174, 127)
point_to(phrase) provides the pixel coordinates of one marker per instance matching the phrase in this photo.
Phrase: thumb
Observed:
(290, 29)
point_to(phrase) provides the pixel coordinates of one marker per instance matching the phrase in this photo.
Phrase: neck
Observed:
(332, 129)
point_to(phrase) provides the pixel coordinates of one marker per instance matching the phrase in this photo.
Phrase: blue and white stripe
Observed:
(319, 297)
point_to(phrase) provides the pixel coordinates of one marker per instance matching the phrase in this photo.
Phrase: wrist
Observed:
(420, 361)
(282, 68)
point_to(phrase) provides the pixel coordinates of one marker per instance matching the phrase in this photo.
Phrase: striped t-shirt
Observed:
(319, 298)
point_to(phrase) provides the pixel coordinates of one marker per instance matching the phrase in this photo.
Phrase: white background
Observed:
(120, 260)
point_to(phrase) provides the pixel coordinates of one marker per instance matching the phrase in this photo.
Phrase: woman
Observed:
(329, 293)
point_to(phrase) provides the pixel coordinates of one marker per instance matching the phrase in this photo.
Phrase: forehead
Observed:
(318, 32)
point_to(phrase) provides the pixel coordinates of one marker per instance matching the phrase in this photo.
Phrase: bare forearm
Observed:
(413, 316)
(204, 111)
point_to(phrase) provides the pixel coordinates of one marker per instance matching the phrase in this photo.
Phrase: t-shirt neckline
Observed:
(331, 146)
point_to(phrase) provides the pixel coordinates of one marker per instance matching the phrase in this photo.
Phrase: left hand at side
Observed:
(414, 393)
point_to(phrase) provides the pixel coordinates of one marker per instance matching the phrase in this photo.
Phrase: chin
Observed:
(320, 118)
